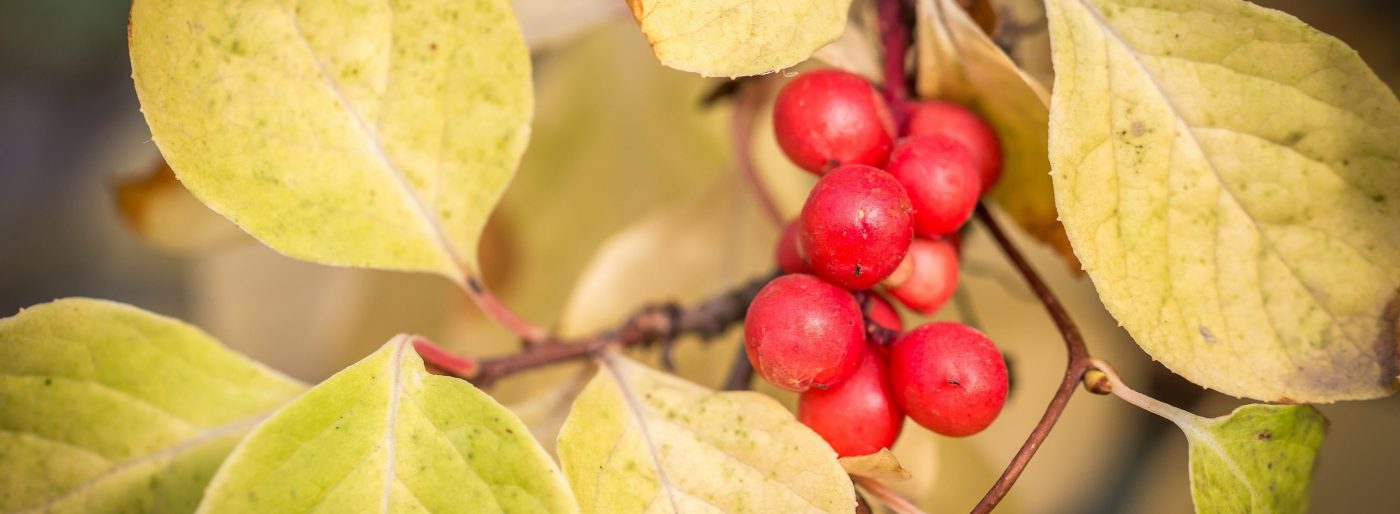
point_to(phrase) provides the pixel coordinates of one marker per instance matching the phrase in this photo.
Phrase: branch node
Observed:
(1097, 382)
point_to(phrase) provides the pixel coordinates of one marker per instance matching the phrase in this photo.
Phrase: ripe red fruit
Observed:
(801, 331)
(858, 416)
(789, 259)
(933, 278)
(855, 226)
(943, 186)
(955, 121)
(949, 378)
(826, 118)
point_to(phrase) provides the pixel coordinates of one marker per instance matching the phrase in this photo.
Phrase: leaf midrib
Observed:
(183, 446)
(637, 408)
(381, 155)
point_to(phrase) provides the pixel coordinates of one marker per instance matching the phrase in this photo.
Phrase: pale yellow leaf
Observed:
(731, 38)
(374, 134)
(1230, 179)
(639, 440)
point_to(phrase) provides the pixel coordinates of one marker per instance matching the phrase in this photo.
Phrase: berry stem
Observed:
(894, 33)
(886, 496)
(1080, 362)
(740, 372)
(747, 104)
(657, 324)
(529, 333)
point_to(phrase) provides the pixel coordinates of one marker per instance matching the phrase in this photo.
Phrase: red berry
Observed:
(826, 118)
(933, 279)
(965, 126)
(802, 331)
(882, 312)
(942, 183)
(789, 259)
(949, 378)
(858, 416)
(855, 226)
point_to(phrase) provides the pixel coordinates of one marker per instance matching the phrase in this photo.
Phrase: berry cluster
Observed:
(885, 213)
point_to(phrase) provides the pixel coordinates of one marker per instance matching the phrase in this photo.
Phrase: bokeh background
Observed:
(627, 195)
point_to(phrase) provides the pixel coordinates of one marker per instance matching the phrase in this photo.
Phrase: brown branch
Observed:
(1079, 363)
(659, 324)
(894, 33)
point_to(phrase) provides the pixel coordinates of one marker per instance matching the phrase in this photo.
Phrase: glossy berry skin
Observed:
(801, 332)
(943, 186)
(789, 259)
(949, 378)
(933, 279)
(858, 416)
(826, 118)
(960, 123)
(855, 227)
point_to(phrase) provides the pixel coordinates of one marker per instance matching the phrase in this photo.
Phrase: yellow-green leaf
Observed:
(374, 134)
(1230, 179)
(638, 440)
(731, 38)
(959, 62)
(1257, 459)
(385, 436)
(108, 408)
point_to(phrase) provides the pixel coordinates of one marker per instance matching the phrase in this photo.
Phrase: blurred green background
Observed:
(618, 142)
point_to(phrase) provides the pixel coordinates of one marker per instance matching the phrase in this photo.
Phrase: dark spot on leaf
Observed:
(1292, 139)
(1208, 335)
(1265, 435)
(1138, 128)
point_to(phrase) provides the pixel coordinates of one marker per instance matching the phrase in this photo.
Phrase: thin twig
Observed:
(528, 333)
(655, 324)
(894, 33)
(751, 95)
(887, 496)
(740, 371)
(1115, 385)
(1079, 363)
